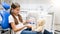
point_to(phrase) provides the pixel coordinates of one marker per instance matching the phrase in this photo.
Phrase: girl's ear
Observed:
(12, 9)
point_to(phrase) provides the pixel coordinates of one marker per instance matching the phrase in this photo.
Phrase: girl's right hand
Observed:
(28, 26)
(30, 20)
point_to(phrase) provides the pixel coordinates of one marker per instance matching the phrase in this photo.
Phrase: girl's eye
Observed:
(17, 9)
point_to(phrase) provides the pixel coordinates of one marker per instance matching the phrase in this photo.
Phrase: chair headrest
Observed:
(5, 5)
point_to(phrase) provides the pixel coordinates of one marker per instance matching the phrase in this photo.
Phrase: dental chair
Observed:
(4, 15)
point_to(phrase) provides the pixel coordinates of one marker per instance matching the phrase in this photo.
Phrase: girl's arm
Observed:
(14, 27)
(26, 23)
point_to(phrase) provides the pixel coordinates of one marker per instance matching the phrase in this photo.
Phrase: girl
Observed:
(15, 19)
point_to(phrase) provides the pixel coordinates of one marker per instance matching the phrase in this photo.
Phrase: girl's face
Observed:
(16, 10)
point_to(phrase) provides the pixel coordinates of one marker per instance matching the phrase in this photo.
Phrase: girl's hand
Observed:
(31, 20)
(28, 20)
(28, 25)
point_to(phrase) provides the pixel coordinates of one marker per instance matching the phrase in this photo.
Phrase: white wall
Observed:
(34, 4)
(56, 9)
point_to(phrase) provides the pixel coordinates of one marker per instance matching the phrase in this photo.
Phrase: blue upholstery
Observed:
(5, 5)
(4, 22)
(5, 14)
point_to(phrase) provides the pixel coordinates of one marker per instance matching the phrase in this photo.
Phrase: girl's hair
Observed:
(15, 5)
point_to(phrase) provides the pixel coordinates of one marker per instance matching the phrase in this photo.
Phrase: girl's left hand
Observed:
(28, 25)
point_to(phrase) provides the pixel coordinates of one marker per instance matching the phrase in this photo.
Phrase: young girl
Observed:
(16, 22)
(15, 19)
